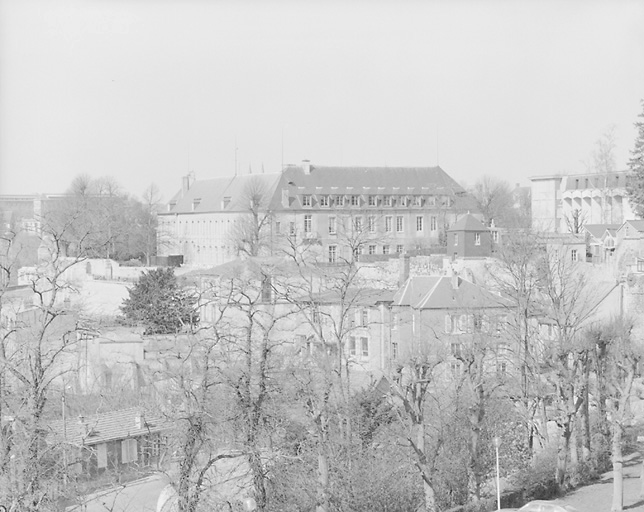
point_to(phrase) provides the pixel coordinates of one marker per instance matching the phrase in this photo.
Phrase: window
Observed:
(352, 346)
(357, 224)
(477, 238)
(332, 253)
(501, 368)
(355, 200)
(339, 200)
(455, 238)
(462, 323)
(433, 224)
(640, 265)
(495, 237)
(226, 201)
(372, 224)
(394, 350)
(432, 200)
(128, 451)
(372, 249)
(419, 223)
(364, 347)
(387, 200)
(455, 368)
(449, 324)
(457, 350)
(278, 227)
(332, 226)
(399, 223)
(416, 200)
(573, 255)
(101, 455)
(306, 200)
(324, 201)
(388, 224)
(307, 223)
(364, 318)
(372, 200)
(385, 249)
(400, 249)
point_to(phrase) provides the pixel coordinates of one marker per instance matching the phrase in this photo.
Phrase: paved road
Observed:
(138, 496)
(598, 497)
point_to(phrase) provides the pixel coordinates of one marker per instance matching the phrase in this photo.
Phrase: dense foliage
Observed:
(636, 167)
(158, 302)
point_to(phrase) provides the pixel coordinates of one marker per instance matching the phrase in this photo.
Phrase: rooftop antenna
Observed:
(437, 155)
(235, 155)
(282, 147)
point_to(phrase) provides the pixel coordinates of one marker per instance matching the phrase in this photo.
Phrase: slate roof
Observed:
(437, 292)
(637, 224)
(468, 223)
(599, 230)
(107, 426)
(211, 193)
(321, 180)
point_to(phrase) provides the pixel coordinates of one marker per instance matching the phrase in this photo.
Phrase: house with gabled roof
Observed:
(112, 440)
(469, 238)
(389, 210)
(629, 247)
(600, 241)
(446, 312)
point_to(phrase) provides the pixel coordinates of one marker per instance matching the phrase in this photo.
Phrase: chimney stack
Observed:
(404, 269)
(454, 280)
(306, 165)
(185, 184)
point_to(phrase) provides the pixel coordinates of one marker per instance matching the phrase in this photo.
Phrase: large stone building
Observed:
(382, 210)
(564, 203)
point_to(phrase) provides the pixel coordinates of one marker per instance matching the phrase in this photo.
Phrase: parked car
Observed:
(543, 506)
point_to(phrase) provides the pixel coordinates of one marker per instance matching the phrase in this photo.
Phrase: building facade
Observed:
(564, 203)
(372, 210)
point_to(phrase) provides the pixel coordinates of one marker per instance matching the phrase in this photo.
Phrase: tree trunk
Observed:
(618, 475)
(562, 456)
(585, 417)
(323, 479)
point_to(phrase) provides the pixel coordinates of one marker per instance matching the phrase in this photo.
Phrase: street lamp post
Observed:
(497, 443)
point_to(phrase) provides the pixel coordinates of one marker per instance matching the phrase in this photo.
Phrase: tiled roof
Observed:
(373, 180)
(637, 224)
(207, 196)
(468, 223)
(598, 230)
(107, 426)
(439, 293)
(353, 296)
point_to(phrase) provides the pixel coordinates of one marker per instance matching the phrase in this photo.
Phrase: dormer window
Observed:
(324, 201)
(195, 203)
(387, 200)
(416, 200)
(339, 200)
(372, 200)
(225, 202)
(306, 200)
(171, 205)
(355, 200)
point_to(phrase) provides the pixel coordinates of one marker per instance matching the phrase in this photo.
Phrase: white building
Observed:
(564, 203)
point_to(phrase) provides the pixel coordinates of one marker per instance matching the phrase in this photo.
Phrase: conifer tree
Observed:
(635, 187)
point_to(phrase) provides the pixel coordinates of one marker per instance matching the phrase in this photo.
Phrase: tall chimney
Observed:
(404, 269)
(306, 165)
(454, 280)
(185, 184)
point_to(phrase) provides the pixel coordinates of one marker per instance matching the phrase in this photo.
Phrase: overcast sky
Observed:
(148, 91)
